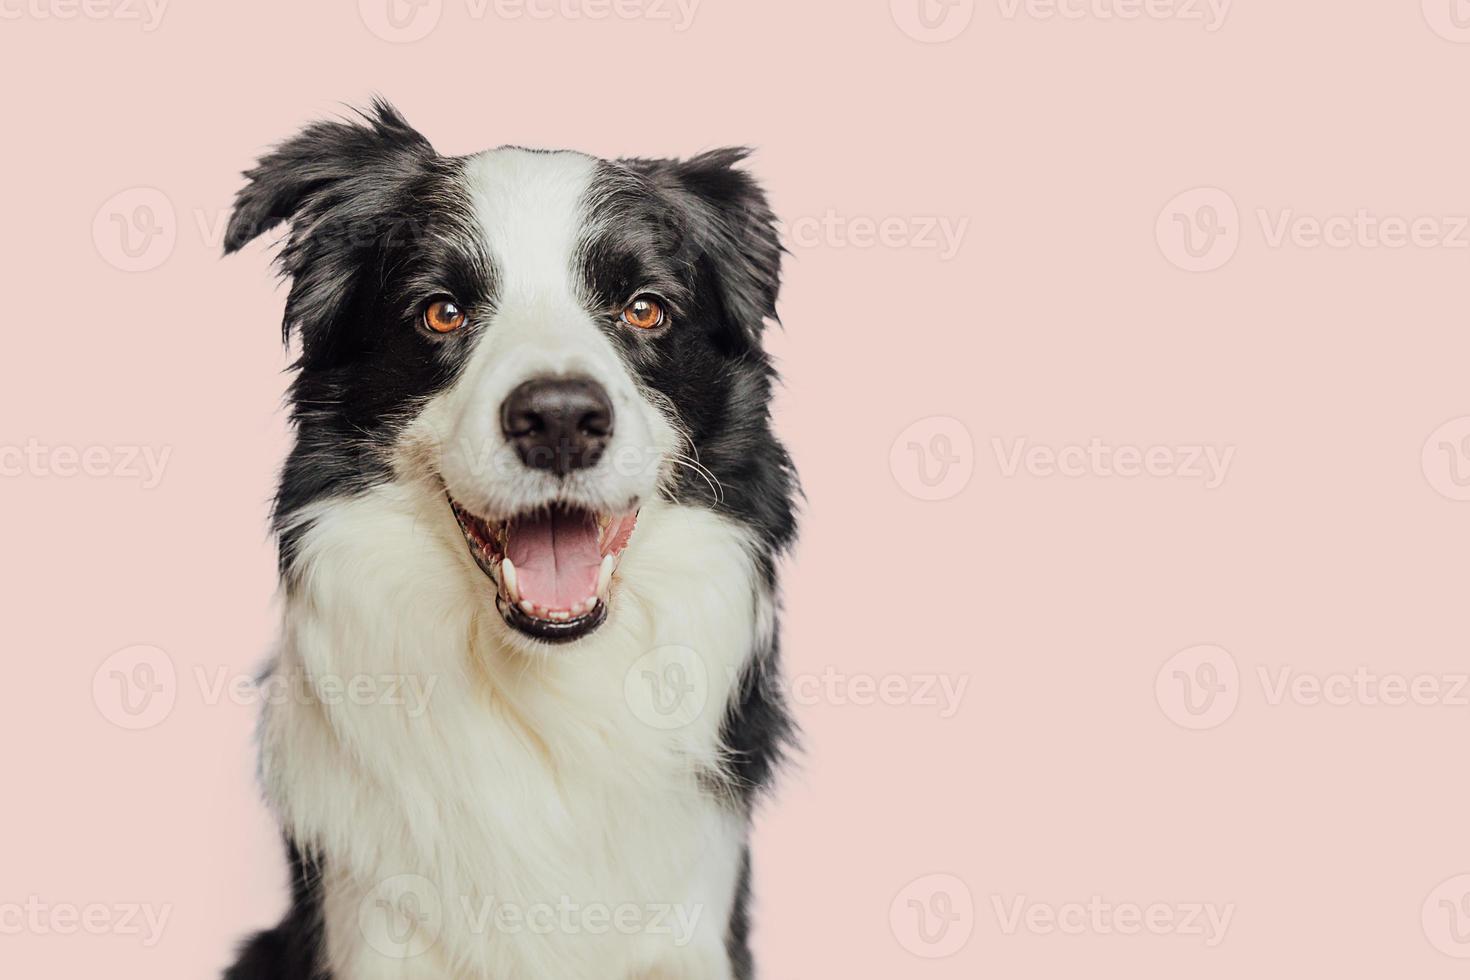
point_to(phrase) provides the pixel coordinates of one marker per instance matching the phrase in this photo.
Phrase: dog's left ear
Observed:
(335, 184)
(320, 163)
(732, 234)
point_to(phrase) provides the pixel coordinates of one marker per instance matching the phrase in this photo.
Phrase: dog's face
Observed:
(547, 340)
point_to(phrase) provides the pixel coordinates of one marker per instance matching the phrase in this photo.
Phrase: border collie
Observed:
(534, 480)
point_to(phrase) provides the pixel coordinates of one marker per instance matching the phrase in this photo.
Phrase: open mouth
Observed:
(552, 567)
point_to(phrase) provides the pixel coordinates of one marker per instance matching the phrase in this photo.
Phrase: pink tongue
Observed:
(556, 557)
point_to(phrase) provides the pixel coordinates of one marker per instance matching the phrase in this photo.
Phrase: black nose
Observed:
(558, 424)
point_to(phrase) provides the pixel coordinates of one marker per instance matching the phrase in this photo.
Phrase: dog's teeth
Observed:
(527, 607)
(604, 574)
(591, 603)
(508, 576)
(561, 616)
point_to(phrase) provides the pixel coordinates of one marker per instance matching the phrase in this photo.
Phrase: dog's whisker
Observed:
(716, 487)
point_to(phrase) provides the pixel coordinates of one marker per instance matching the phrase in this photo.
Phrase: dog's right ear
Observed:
(322, 165)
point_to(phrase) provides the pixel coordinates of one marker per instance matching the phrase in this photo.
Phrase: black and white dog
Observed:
(534, 478)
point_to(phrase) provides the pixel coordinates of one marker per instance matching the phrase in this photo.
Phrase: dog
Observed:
(533, 479)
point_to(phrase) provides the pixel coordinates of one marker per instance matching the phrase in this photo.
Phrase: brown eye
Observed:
(443, 316)
(645, 313)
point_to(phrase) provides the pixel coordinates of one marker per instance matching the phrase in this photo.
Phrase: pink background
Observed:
(1335, 541)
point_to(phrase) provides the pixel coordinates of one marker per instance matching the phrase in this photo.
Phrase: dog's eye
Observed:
(645, 313)
(443, 315)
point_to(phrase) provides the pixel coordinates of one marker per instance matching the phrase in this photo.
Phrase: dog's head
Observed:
(546, 339)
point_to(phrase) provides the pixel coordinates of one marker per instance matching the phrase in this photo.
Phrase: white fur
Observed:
(537, 775)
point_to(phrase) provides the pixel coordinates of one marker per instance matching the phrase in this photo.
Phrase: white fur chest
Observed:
(513, 812)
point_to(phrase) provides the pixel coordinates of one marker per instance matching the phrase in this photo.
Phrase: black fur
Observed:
(293, 948)
(377, 221)
(737, 935)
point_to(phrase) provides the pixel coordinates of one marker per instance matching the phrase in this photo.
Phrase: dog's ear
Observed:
(334, 183)
(732, 232)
